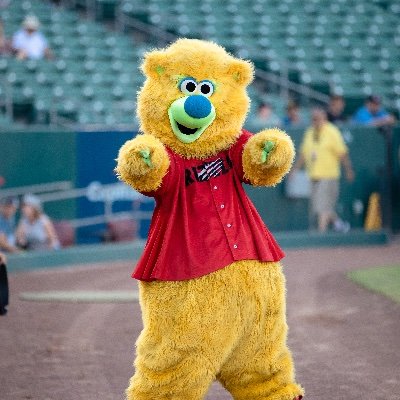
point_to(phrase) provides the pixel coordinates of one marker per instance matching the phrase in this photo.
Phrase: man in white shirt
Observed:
(28, 42)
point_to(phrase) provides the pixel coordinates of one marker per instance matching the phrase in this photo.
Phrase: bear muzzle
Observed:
(190, 116)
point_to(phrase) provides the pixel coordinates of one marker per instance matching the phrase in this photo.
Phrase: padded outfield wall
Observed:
(30, 158)
(83, 157)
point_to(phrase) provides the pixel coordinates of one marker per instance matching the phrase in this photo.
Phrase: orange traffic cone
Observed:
(373, 220)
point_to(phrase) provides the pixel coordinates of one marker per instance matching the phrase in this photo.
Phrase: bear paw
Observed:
(142, 163)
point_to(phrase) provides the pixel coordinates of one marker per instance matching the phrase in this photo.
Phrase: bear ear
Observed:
(241, 71)
(154, 64)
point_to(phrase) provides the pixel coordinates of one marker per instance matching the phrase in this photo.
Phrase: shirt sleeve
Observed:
(338, 144)
(45, 219)
(382, 113)
(362, 116)
(17, 41)
(43, 41)
(236, 152)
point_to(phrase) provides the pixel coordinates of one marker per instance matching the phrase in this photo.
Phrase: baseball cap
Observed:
(374, 99)
(33, 201)
(31, 22)
(9, 201)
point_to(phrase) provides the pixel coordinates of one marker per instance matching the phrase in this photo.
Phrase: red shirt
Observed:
(203, 220)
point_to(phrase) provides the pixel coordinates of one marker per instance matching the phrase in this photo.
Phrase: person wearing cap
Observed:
(28, 42)
(35, 230)
(8, 208)
(372, 113)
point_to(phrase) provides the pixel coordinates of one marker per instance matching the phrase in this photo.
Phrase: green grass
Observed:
(384, 280)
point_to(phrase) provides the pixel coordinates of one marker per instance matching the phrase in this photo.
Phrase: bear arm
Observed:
(142, 163)
(269, 170)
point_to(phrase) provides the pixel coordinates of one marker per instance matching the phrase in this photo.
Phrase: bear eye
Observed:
(206, 88)
(188, 86)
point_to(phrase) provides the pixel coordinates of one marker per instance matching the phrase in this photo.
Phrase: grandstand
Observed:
(344, 47)
(302, 49)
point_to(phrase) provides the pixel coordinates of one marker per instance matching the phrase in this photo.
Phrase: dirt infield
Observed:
(345, 339)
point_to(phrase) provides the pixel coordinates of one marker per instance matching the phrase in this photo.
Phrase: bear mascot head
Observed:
(194, 99)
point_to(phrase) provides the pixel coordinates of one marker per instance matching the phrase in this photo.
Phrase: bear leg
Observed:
(189, 378)
(261, 366)
(189, 330)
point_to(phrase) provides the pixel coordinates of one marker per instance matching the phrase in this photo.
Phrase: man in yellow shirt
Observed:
(322, 151)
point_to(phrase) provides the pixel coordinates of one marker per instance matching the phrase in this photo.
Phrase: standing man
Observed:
(322, 151)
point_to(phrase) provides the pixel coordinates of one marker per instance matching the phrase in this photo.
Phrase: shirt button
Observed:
(222, 206)
(235, 246)
(228, 225)
(215, 187)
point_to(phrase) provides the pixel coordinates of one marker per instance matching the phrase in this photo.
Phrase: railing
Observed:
(36, 189)
(96, 192)
(103, 219)
(287, 85)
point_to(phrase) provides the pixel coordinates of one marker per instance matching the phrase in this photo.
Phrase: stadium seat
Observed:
(121, 230)
(345, 46)
(65, 233)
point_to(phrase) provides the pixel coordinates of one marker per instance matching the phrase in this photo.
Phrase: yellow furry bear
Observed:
(212, 291)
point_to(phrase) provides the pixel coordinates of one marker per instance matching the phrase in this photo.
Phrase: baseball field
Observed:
(70, 332)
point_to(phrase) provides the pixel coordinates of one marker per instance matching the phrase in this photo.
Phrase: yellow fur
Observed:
(229, 325)
(278, 162)
(200, 60)
(133, 170)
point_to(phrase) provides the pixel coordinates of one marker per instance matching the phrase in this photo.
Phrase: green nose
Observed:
(190, 116)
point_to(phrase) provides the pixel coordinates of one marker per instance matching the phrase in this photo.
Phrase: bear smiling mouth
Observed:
(185, 130)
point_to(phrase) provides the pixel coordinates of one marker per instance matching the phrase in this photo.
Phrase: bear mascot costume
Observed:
(212, 292)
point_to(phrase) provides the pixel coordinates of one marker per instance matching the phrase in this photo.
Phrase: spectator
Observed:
(28, 42)
(8, 208)
(322, 151)
(266, 117)
(35, 230)
(335, 111)
(5, 45)
(292, 117)
(372, 113)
